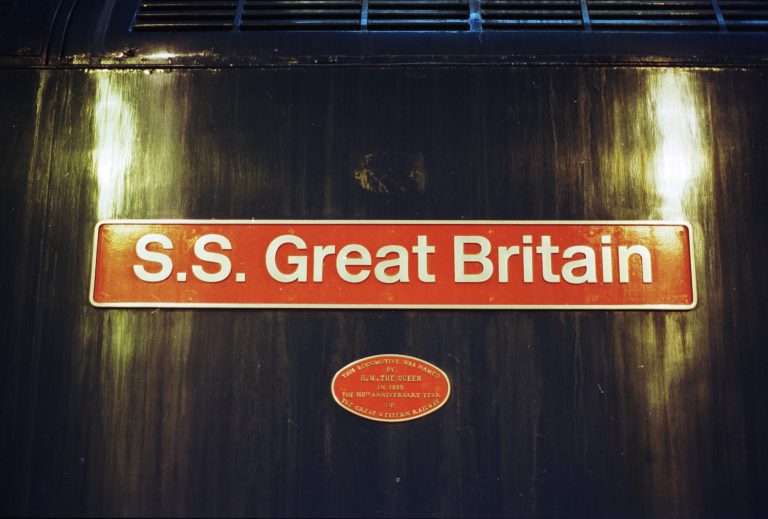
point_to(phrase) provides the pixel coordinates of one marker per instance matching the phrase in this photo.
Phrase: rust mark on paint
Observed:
(391, 172)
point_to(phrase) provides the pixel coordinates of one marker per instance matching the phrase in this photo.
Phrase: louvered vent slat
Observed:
(418, 15)
(185, 15)
(442, 15)
(528, 14)
(745, 16)
(326, 15)
(652, 15)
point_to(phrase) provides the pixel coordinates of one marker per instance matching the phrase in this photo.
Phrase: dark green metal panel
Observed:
(125, 412)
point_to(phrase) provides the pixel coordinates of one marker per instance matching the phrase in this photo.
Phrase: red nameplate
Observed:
(393, 264)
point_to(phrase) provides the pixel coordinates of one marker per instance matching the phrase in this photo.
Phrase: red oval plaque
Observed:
(390, 388)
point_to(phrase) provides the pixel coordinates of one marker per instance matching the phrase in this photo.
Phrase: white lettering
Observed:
(587, 263)
(546, 250)
(318, 263)
(607, 257)
(300, 272)
(400, 263)
(421, 249)
(143, 252)
(461, 258)
(343, 260)
(625, 253)
(527, 259)
(212, 257)
(504, 254)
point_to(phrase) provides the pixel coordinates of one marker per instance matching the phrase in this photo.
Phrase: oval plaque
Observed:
(390, 388)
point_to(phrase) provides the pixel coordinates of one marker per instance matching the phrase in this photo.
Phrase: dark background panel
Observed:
(215, 412)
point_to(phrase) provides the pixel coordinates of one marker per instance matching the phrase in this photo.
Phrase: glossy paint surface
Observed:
(552, 413)
(404, 264)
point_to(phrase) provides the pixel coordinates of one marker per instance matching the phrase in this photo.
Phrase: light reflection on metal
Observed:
(163, 54)
(138, 157)
(681, 152)
(114, 129)
(667, 351)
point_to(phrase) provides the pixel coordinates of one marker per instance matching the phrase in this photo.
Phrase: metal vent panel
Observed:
(529, 14)
(443, 15)
(740, 15)
(301, 15)
(185, 15)
(418, 15)
(652, 15)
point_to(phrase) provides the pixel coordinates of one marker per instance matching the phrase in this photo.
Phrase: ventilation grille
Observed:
(326, 15)
(185, 15)
(745, 16)
(652, 15)
(529, 14)
(418, 15)
(445, 15)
